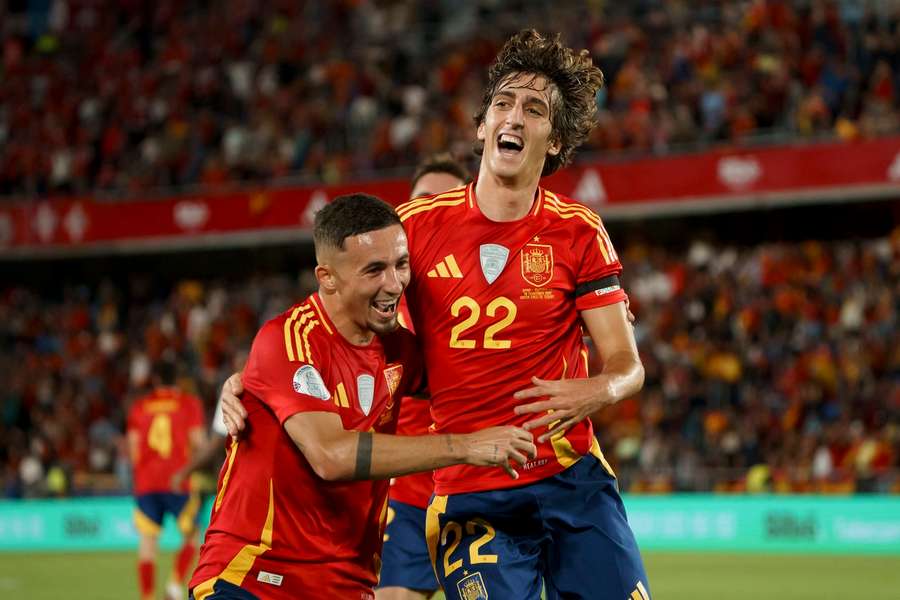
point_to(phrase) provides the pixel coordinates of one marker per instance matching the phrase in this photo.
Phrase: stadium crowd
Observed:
(773, 368)
(126, 97)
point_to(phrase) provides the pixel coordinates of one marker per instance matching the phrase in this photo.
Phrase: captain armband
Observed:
(599, 287)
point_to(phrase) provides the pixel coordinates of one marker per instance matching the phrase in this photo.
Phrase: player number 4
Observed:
(493, 309)
(159, 436)
(454, 530)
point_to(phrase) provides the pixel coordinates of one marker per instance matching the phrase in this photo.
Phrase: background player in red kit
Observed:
(406, 573)
(295, 515)
(164, 429)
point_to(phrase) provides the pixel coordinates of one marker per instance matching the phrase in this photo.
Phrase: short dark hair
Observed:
(349, 215)
(441, 163)
(165, 372)
(573, 73)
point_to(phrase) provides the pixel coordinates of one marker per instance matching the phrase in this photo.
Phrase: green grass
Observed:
(111, 576)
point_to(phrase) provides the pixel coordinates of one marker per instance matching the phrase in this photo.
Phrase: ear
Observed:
(480, 133)
(325, 277)
(554, 147)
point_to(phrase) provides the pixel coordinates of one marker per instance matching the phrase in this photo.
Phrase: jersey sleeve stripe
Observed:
(309, 327)
(432, 206)
(589, 215)
(241, 564)
(564, 215)
(322, 318)
(603, 250)
(603, 233)
(225, 478)
(287, 334)
(417, 202)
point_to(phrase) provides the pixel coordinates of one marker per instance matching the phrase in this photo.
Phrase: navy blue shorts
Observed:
(568, 533)
(152, 508)
(222, 590)
(405, 560)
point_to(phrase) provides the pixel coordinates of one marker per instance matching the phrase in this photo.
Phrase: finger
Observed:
(535, 407)
(518, 457)
(510, 471)
(561, 427)
(233, 403)
(533, 392)
(545, 420)
(522, 434)
(528, 447)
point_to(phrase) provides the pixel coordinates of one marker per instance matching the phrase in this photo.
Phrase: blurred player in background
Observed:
(406, 572)
(302, 499)
(164, 429)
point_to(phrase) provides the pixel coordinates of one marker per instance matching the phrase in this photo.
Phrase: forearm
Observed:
(379, 456)
(622, 376)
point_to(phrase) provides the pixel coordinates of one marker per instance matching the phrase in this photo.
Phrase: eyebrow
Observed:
(528, 100)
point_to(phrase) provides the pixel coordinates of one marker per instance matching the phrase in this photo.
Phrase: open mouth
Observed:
(510, 144)
(385, 309)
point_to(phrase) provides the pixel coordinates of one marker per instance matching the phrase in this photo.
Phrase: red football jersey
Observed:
(497, 303)
(414, 419)
(277, 529)
(163, 420)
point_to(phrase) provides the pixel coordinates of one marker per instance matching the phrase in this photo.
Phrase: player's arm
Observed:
(571, 400)
(340, 455)
(134, 445)
(337, 454)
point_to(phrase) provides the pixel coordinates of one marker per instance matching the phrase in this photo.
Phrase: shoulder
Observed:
(572, 212)
(432, 207)
(296, 335)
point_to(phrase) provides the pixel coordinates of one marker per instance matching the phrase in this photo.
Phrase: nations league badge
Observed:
(365, 390)
(307, 381)
(493, 259)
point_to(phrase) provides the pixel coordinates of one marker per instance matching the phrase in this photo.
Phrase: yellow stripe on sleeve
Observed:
(432, 206)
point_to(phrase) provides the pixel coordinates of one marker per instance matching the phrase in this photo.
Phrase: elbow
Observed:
(639, 375)
(330, 465)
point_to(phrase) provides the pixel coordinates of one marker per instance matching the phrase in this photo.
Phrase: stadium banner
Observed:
(695, 522)
(715, 180)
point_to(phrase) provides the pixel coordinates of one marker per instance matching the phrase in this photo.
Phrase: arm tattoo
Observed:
(363, 456)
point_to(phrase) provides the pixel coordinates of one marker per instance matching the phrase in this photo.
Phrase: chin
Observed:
(381, 327)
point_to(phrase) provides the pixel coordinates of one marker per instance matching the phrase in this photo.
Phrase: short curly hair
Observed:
(577, 80)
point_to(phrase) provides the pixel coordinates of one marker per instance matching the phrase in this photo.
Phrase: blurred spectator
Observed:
(124, 97)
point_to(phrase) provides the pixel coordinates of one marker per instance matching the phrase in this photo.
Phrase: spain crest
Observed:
(392, 375)
(472, 588)
(537, 264)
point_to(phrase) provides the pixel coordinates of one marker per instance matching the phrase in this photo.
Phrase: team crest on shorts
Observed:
(537, 264)
(472, 588)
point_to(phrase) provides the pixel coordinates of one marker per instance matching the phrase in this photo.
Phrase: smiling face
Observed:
(516, 131)
(366, 278)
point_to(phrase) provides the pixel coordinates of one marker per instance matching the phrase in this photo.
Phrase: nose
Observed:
(395, 281)
(515, 118)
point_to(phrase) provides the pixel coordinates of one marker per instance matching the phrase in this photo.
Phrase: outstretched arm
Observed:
(339, 455)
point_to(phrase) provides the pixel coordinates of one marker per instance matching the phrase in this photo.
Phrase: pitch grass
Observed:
(111, 576)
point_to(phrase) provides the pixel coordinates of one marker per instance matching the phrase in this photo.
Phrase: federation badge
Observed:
(472, 588)
(493, 259)
(393, 374)
(307, 381)
(365, 391)
(537, 264)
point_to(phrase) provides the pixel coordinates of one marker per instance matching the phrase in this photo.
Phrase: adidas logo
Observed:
(446, 268)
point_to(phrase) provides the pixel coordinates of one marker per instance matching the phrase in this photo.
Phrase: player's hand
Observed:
(496, 446)
(233, 412)
(567, 403)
